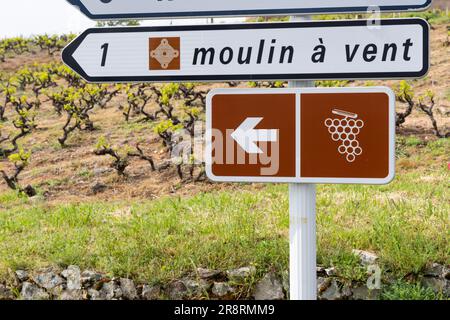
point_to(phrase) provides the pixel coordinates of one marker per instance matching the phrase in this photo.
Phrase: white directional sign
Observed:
(398, 48)
(136, 9)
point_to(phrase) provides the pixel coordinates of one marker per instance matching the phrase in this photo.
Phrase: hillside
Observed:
(443, 4)
(170, 230)
(70, 173)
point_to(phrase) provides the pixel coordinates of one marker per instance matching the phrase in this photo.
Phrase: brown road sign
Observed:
(344, 135)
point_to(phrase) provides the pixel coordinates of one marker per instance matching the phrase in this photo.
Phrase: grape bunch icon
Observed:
(345, 129)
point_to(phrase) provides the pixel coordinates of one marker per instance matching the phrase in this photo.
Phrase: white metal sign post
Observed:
(398, 48)
(302, 241)
(302, 228)
(140, 9)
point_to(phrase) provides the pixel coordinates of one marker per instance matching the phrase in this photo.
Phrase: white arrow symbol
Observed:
(246, 135)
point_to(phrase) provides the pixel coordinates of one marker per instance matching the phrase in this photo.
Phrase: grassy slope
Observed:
(406, 223)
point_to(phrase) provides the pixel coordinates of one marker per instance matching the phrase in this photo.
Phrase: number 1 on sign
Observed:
(104, 47)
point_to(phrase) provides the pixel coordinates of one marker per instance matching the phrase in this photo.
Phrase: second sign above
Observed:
(139, 9)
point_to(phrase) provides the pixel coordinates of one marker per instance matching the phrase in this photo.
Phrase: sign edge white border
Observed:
(369, 181)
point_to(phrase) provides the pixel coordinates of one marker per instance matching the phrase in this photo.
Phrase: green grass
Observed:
(406, 223)
(133, 126)
(56, 182)
(11, 198)
(413, 141)
(85, 173)
(409, 291)
(433, 16)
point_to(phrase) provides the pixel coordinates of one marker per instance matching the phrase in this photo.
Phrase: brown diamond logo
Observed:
(164, 53)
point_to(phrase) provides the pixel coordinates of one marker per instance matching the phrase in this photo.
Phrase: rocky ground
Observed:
(75, 284)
